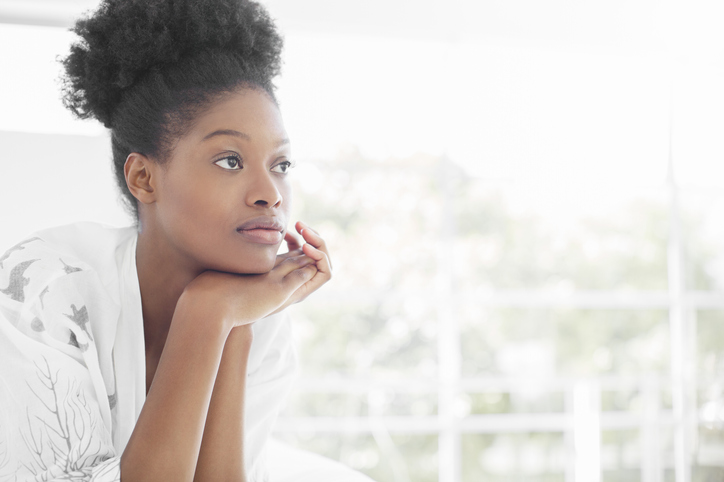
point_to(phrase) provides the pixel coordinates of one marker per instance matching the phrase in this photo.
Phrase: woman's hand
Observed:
(239, 299)
(314, 248)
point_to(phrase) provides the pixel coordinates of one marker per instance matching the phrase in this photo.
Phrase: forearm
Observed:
(221, 457)
(166, 440)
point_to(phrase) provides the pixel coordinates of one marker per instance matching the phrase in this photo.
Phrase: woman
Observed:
(136, 352)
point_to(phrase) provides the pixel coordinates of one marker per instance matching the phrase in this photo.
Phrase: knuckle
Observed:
(296, 261)
(302, 272)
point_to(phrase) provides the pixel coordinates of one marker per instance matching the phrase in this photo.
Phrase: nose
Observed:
(263, 191)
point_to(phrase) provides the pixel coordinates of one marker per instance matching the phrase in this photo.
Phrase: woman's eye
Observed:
(282, 167)
(230, 163)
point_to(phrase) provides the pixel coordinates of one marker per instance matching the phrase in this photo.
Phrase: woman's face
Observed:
(223, 198)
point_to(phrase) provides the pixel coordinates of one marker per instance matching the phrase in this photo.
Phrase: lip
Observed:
(262, 230)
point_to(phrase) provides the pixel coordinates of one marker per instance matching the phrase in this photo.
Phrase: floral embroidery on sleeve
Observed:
(62, 431)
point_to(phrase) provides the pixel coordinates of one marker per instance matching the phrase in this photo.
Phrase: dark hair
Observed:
(147, 68)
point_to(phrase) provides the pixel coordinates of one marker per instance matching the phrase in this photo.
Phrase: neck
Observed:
(163, 274)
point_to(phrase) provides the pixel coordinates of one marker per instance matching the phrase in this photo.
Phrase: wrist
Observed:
(236, 351)
(239, 339)
(206, 315)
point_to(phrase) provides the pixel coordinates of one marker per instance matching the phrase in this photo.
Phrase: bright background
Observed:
(524, 204)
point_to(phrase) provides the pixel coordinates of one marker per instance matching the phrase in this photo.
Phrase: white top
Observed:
(72, 358)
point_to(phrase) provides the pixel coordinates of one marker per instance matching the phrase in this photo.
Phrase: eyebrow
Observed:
(227, 132)
(241, 135)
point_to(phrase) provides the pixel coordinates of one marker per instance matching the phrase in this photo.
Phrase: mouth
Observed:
(262, 230)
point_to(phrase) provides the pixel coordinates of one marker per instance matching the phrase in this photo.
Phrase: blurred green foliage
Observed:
(570, 342)
(621, 249)
(532, 401)
(537, 457)
(398, 458)
(403, 231)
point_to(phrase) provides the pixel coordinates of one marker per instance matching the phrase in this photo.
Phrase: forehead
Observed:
(250, 111)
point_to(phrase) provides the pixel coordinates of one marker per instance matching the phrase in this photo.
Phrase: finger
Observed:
(321, 258)
(283, 256)
(296, 283)
(292, 263)
(297, 280)
(313, 238)
(300, 226)
(324, 269)
(292, 241)
(310, 235)
(312, 252)
(322, 275)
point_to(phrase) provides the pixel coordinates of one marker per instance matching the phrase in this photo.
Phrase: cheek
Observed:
(187, 203)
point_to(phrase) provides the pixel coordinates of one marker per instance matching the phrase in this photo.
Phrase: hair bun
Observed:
(125, 40)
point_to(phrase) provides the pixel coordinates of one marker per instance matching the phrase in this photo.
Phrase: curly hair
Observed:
(146, 68)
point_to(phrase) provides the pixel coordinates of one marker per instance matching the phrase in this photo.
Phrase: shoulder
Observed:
(56, 281)
(92, 244)
(59, 252)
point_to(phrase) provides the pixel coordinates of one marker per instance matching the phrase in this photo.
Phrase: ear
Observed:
(139, 171)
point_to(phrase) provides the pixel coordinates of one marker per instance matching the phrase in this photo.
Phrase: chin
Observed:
(263, 270)
(250, 266)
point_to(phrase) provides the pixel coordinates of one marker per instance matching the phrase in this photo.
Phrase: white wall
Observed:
(51, 179)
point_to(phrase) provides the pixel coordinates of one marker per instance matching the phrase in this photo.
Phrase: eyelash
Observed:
(236, 158)
(288, 165)
(238, 166)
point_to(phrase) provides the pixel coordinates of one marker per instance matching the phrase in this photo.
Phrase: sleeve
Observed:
(272, 369)
(54, 417)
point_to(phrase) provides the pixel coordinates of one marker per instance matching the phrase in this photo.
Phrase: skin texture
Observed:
(203, 283)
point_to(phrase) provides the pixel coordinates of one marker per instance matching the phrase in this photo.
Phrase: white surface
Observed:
(288, 464)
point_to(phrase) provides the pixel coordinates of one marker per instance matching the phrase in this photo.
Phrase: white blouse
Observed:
(72, 358)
